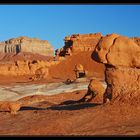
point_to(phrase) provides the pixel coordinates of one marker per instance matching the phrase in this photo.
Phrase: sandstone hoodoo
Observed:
(95, 92)
(26, 44)
(79, 71)
(121, 56)
(78, 43)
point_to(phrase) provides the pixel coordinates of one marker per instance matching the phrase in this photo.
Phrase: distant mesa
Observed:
(26, 44)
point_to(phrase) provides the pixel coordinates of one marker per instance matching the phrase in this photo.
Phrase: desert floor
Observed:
(71, 118)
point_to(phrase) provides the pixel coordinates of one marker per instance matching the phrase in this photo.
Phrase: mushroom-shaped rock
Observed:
(104, 45)
(118, 50)
(79, 70)
(121, 56)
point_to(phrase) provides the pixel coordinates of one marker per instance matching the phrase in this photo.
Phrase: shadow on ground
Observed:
(31, 108)
(73, 105)
(67, 105)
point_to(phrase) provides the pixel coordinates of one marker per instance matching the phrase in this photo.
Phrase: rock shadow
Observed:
(73, 105)
(66, 105)
(31, 108)
(18, 49)
(94, 56)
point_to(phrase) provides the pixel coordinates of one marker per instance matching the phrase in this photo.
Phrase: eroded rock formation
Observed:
(26, 44)
(121, 56)
(136, 40)
(41, 73)
(79, 71)
(25, 67)
(14, 106)
(78, 43)
(95, 92)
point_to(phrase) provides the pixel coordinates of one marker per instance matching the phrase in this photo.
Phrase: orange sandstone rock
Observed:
(121, 56)
(79, 42)
(95, 92)
(26, 44)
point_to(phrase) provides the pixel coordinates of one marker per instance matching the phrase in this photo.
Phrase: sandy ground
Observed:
(71, 118)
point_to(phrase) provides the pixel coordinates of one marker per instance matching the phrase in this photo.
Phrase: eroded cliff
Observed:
(26, 44)
(78, 43)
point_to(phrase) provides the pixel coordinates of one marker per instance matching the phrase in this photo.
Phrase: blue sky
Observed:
(54, 22)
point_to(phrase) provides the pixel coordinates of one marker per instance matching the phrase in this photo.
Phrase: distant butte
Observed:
(26, 44)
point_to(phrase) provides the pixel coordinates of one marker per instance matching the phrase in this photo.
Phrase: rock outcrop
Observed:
(41, 73)
(121, 56)
(96, 87)
(78, 43)
(26, 44)
(79, 71)
(14, 106)
(95, 92)
(25, 67)
(136, 40)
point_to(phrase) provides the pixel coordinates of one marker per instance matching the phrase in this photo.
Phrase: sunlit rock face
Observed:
(26, 44)
(80, 42)
(27, 67)
(121, 56)
(136, 40)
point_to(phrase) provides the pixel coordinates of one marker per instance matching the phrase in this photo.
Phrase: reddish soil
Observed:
(60, 72)
(71, 118)
(65, 69)
(84, 119)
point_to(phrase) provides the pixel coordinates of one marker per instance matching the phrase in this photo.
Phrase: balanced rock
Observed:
(121, 56)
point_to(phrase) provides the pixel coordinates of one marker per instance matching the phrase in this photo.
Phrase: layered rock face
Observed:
(121, 56)
(25, 44)
(26, 67)
(79, 42)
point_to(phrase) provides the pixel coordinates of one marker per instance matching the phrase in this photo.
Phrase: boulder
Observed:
(97, 87)
(79, 70)
(95, 92)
